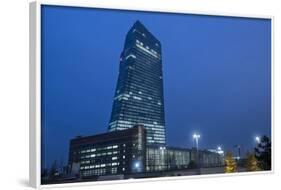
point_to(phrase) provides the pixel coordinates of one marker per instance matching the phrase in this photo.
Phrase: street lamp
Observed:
(137, 165)
(219, 150)
(163, 157)
(258, 139)
(239, 151)
(221, 155)
(196, 137)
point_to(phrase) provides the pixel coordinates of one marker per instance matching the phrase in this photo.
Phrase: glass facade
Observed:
(210, 159)
(175, 158)
(166, 158)
(138, 96)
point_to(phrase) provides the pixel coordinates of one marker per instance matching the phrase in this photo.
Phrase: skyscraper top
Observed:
(139, 29)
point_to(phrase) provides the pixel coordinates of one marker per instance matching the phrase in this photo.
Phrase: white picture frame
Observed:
(35, 87)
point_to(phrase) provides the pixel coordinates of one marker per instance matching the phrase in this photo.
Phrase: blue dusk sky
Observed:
(216, 71)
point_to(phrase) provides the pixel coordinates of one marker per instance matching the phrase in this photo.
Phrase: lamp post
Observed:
(257, 139)
(219, 150)
(162, 149)
(221, 153)
(196, 137)
(239, 151)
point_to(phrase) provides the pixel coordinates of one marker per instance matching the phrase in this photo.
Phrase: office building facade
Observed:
(139, 98)
(125, 154)
(113, 153)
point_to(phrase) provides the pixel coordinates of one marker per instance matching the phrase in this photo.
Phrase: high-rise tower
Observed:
(138, 98)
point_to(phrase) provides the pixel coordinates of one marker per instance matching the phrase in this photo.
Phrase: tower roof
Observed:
(139, 26)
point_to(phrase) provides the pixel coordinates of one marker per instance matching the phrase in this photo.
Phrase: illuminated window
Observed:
(146, 50)
(113, 170)
(137, 98)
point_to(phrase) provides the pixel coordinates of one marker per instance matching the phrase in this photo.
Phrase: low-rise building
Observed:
(125, 154)
(118, 152)
(175, 158)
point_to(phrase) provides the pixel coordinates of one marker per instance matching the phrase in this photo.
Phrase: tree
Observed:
(230, 164)
(53, 170)
(251, 162)
(263, 153)
(61, 165)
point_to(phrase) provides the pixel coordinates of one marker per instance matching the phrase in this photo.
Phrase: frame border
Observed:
(35, 89)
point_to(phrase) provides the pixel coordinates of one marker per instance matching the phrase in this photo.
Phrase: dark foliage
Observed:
(53, 170)
(263, 153)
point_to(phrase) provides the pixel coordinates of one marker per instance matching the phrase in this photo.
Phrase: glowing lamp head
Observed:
(196, 136)
(258, 139)
(137, 165)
